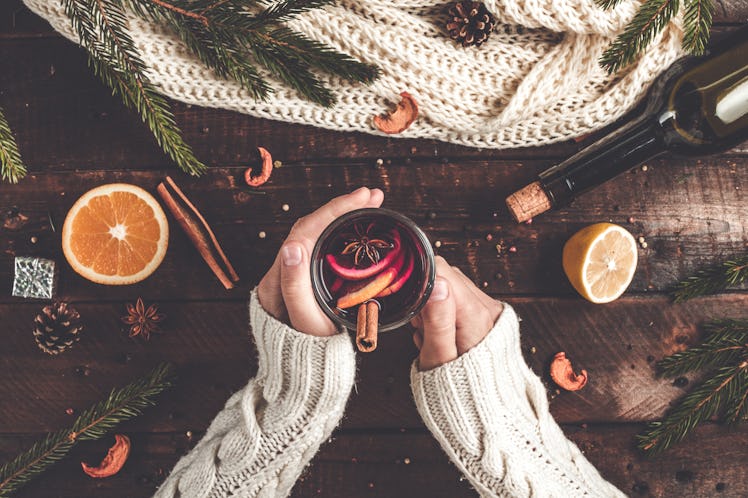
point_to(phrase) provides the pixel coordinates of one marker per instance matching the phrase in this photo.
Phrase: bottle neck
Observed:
(634, 143)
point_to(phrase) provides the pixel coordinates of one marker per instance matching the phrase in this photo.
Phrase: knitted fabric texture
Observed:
(490, 414)
(535, 81)
(267, 432)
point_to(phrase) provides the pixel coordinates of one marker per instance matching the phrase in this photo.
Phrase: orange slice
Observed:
(115, 234)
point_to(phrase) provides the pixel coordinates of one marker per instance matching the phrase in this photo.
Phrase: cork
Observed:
(528, 202)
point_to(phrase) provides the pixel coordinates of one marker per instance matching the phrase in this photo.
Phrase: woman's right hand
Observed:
(456, 317)
(286, 290)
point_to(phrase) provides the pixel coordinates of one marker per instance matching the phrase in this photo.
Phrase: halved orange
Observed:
(115, 234)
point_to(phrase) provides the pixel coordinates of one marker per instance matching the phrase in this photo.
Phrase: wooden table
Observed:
(74, 136)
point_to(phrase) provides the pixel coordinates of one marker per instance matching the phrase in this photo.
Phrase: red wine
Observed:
(374, 255)
(698, 106)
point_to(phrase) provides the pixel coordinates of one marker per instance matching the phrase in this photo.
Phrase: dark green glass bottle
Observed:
(699, 106)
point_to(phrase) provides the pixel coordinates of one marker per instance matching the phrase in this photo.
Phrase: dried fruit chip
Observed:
(401, 118)
(563, 374)
(114, 459)
(267, 169)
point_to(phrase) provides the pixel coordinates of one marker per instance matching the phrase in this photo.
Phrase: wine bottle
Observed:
(698, 106)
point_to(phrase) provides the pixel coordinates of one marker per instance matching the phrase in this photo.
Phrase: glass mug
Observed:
(377, 255)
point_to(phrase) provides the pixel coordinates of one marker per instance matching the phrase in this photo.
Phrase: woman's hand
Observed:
(286, 289)
(456, 317)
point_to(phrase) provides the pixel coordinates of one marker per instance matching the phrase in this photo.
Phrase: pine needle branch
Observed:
(727, 274)
(101, 27)
(232, 41)
(94, 423)
(726, 343)
(237, 39)
(701, 404)
(12, 168)
(697, 23)
(737, 407)
(607, 4)
(650, 20)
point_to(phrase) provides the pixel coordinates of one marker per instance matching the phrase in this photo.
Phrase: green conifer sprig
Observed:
(232, 41)
(94, 423)
(727, 274)
(241, 40)
(102, 28)
(723, 394)
(12, 168)
(697, 19)
(649, 20)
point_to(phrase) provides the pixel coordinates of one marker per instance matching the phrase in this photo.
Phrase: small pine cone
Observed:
(470, 23)
(57, 328)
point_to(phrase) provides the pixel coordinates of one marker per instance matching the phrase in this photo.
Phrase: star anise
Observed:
(363, 246)
(142, 321)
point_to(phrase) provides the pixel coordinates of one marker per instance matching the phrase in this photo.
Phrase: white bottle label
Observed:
(733, 105)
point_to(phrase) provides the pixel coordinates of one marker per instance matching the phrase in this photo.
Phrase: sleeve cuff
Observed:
(297, 370)
(495, 363)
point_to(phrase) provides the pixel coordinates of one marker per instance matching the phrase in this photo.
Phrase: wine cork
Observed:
(528, 202)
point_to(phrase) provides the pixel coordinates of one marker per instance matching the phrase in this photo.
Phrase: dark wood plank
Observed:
(412, 464)
(617, 344)
(691, 213)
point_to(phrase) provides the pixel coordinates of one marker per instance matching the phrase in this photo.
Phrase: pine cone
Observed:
(470, 23)
(57, 328)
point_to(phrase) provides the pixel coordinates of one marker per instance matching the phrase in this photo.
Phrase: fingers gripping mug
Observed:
(372, 271)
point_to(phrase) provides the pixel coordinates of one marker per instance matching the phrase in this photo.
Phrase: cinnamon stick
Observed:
(198, 231)
(367, 326)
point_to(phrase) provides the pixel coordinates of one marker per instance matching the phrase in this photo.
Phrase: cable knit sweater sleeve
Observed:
(489, 412)
(267, 432)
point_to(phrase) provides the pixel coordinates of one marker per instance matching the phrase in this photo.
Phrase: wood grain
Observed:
(75, 136)
(691, 213)
(208, 341)
(411, 464)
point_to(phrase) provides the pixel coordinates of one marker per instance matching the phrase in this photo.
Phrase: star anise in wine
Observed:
(142, 321)
(365, 247)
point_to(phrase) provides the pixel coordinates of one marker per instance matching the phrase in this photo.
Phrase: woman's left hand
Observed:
(286, 289)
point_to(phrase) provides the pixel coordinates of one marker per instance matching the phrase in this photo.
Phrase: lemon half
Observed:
(600, 261)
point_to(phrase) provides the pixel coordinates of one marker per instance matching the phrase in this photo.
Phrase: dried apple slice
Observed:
(563, 374)
(401, 118)
(113, 461)
(368, 291)
(265, 171)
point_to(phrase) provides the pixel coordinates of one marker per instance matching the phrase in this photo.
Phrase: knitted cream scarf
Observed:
(535, 81)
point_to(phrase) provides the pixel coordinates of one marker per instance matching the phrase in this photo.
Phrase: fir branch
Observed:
(232, 41)
(607, 4)
(12, 168)
(697, 20)
(234, 38)
(101, 27)
(727, 274)
(737, 407)
(699, 405)
(650, 19)
(726, 343)
(94, 423)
